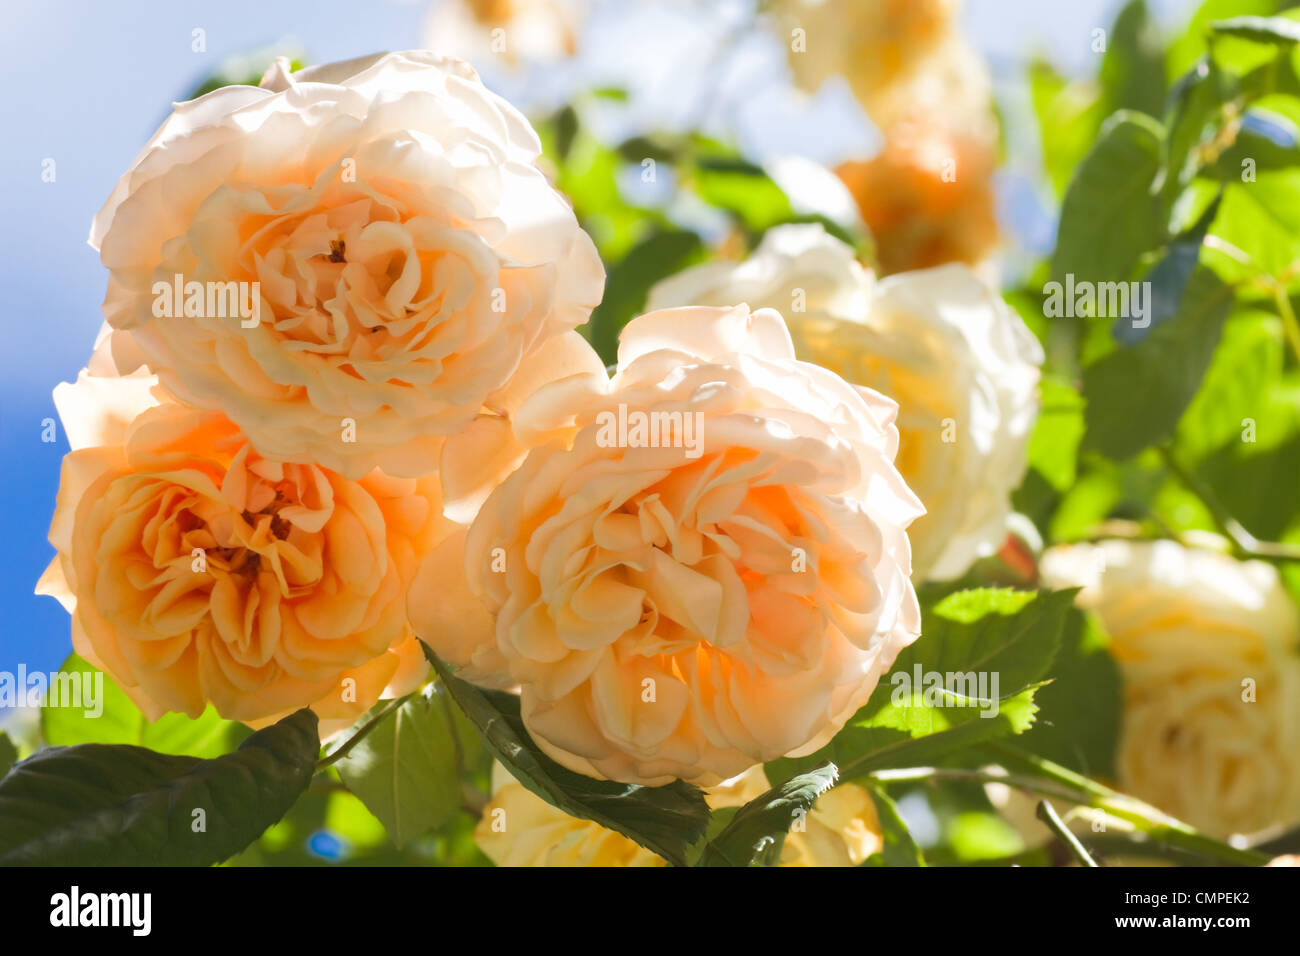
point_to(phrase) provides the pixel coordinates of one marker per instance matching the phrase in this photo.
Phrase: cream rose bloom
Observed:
(519, 828)
(540, 31)
(874, 45)
(1189, 628)
(411, 258)
(691, 609)
(959, 362)
(197, 571)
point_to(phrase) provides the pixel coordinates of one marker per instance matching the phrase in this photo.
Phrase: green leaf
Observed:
(1085, 504)
(1133, 71)
(1240, 386)
(566, 131)
(1054, 442)
(1069, 115)
(407, 769)
(1267, 139)
(1262, 220)
(120, 805)
(909, 722)
(121, 722)
(898, 849)
(1279, 30)
(1194, 117)
(1080, 710)
(1111, 214)
(756, 834)
(1168, 279)
(665, 820)
(1257, 484)
(640, 148)
(1136, 394)
(742, 189)
(998, 630)
(656, 257)
(8, 753)
(1185, 50)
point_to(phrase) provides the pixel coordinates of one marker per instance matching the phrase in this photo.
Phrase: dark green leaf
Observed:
(8, 753)
(899, 848)
(1079, 711)
(114, 804)
(1194, 115)
(660, 255)
(665, 820)
(1257, 484)
(756, 834)
(1133, 71)
(1136, 394)
(566, 131)
(1168, 280)
(1111, 214)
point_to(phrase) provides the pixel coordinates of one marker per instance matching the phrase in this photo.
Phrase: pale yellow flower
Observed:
(1208, 650)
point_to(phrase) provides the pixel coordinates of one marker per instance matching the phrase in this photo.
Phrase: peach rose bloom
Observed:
(961, 364)
(197, 571)
(409, 255)
(927, 198)
(519, 828)
(1209, 652)
(686, 606)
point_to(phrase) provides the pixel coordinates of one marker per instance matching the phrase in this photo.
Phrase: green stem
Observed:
(1156, 824)
(360, 735)
(1289, 323)
(1063, 833)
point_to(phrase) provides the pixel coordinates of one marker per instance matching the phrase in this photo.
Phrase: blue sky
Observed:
(88, 82)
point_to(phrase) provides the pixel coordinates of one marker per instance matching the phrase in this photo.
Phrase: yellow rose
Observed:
(1207, 647)
(400, 256)
(197, 571)
(959, 361)
(687, 603)
(519, 828)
